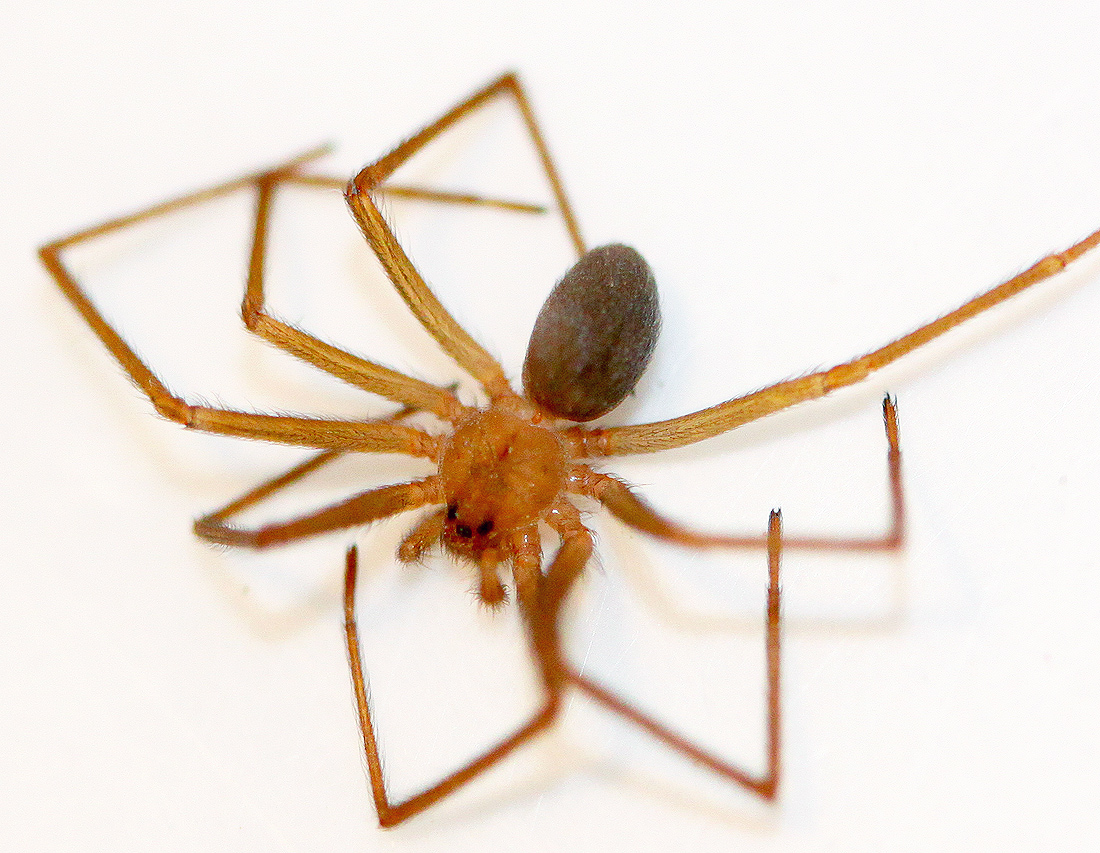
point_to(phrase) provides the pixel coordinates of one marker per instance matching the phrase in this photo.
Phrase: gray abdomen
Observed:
(594, 335)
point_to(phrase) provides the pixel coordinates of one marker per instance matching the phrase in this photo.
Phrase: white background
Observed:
(807, 180)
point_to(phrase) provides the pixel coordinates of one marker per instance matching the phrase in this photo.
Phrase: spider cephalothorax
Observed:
(498, 472)
(499, 476)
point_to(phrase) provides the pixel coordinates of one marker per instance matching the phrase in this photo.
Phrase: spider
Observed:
(522, 460)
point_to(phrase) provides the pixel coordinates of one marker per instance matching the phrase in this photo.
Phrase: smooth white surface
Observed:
(808, 180)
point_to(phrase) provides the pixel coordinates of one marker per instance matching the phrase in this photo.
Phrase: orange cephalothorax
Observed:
(499, 472)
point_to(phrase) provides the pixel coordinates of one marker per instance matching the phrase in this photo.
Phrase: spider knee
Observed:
(364, 182)
(174, 409)
(251, 313)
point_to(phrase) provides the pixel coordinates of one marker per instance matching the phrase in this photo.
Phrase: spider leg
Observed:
(454, 340)
(543, 610)
(423, 536)
(260, 493)
(352, 369)
(766, 784)
(687, 429)
(389, 813)
(419, 193)
(218, 517)
(359, 509)
(379, 436)
(633, 511)
(55, 247)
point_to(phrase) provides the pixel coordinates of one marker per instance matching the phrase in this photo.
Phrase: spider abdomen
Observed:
(498, 472)
(594, 335)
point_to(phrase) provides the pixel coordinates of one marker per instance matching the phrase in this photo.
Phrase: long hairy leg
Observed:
(454, 340)
(764, 784)
(419, 193)
(391, 813)
(688, 429)
(321, 433)
(368, 375)
(359, 509)
(633, 511)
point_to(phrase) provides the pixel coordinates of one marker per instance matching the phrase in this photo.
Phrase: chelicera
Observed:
(516, 465)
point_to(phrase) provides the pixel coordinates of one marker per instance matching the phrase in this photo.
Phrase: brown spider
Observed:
(519, 462)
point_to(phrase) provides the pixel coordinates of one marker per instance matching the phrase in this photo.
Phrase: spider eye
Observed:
(464, 531)
(485, 528)
(452, 512)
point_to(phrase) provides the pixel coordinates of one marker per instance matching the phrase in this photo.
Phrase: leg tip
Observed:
(351, 567)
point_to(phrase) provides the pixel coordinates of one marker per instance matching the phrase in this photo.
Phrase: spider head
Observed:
(476, 542)
(499, 473)
(469, 532)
